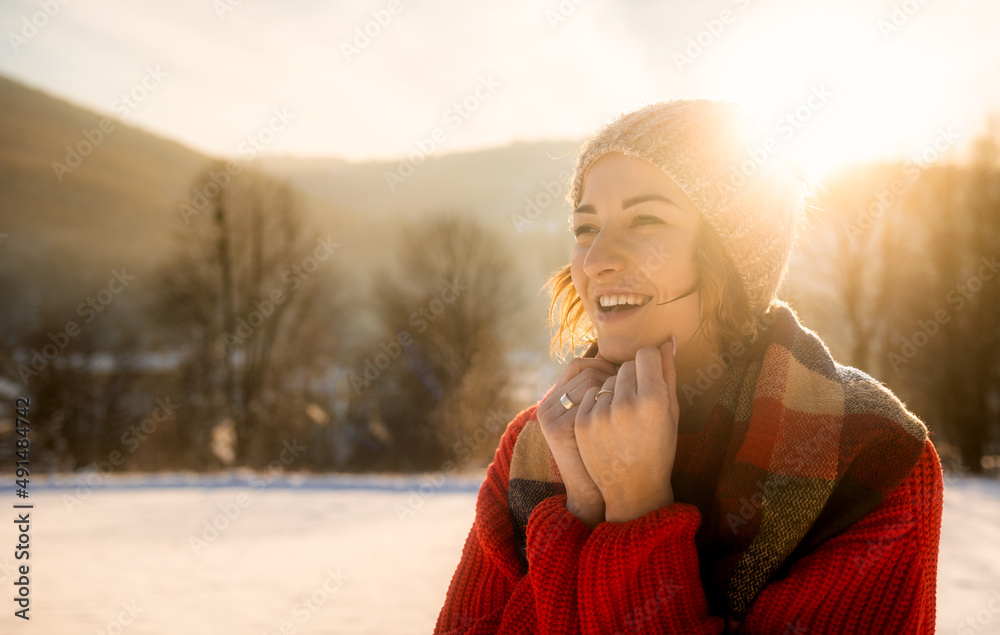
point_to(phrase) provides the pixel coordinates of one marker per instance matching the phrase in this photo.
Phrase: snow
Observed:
(969, 559)
(375, 554)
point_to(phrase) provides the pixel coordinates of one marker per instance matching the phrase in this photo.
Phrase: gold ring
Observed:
(566, 401)
(602, 391)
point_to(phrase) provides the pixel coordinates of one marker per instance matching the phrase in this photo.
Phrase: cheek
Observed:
(669, 262)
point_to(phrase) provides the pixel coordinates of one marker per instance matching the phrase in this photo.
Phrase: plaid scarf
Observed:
(797, 449)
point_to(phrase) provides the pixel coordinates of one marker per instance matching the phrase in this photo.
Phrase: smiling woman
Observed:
(706, 466)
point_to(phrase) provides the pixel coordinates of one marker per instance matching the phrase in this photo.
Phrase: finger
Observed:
(611, 382)
(669, 366)
(625, 385)
(587, 376)
(577, 389)
(574, 396)
(648, 370)
(603, 399)
(587, 404)
(579, 384)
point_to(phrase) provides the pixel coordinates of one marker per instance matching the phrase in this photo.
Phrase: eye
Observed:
(583, 229)
(647, 220)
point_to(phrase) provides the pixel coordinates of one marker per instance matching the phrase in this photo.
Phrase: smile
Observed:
(621, 302)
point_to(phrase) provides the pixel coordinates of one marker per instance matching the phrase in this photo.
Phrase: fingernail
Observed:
(673, 338)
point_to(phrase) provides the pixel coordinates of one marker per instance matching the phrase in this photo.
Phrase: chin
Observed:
(618, 352)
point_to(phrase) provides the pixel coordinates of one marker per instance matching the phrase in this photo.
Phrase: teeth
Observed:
(615, 300)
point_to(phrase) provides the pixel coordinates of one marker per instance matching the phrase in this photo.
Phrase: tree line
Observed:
(257, 334)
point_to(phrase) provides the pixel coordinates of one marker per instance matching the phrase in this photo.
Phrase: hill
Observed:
(115, 208)
(73, 192)
(82, 194)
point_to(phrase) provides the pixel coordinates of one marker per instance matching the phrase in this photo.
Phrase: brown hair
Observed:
(723, 304)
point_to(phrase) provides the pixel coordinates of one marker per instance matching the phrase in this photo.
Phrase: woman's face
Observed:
(635, 242)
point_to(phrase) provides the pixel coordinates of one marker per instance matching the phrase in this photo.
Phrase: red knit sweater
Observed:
(642, 576)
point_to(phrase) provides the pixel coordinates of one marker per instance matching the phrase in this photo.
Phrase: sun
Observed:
(825, 85)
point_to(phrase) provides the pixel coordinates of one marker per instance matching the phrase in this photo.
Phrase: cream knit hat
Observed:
(712, 151)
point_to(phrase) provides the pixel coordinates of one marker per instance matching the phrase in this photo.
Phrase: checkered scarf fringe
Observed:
(797, 449)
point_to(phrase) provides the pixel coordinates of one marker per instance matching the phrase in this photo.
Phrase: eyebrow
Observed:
(629, 202)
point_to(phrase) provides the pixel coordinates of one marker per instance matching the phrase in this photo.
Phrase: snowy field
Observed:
(339, 554)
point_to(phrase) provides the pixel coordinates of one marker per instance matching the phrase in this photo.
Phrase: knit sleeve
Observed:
(490, 592)
(642, 576)
(879, 576)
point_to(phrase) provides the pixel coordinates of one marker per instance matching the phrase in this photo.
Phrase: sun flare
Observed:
(828, 87)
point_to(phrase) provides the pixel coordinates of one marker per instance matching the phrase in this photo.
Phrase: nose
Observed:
(607, 253)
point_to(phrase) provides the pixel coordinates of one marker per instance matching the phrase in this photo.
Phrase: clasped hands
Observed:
(613, 434)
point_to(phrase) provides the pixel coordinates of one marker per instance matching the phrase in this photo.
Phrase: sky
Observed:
(831, 81)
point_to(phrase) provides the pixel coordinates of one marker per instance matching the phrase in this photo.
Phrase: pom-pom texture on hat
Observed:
(712, 151)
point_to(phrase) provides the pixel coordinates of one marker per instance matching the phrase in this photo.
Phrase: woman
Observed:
(706, 466)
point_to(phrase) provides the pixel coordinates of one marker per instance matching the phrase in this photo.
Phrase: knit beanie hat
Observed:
(713, 152)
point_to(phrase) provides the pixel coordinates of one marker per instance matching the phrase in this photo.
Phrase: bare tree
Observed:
(250, 298)
(448, 301)
(952, 342)
(904, 274)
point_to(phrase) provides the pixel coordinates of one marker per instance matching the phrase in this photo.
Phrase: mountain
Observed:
(114, 204)
(71, 191)
(82, 194)
(490, 184)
